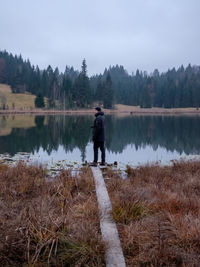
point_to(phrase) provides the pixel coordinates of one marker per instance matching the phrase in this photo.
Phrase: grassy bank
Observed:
(16, 101)
(119, 110)
(25, 104)
(48, 221)
(157, 210)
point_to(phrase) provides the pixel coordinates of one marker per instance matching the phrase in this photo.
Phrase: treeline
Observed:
(63, 90)
(174, 88)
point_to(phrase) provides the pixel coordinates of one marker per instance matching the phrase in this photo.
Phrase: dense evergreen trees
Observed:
(174, 88)
(39, 101)
(81, 93)
(104, 92)
(108, 92)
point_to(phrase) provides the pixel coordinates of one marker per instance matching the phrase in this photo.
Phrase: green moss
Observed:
(126, 212)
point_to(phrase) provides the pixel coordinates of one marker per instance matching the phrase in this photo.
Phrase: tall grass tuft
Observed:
(157, 210)
(48, 221)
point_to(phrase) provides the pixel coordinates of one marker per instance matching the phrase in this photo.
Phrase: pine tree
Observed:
(99, 94)
(39, 101)
(2, 70)
(81, 90)
(54, 92)
(18, 84)
(108, 97)
(67, 92)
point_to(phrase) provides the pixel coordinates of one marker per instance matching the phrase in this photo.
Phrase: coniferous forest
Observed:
(71, 88)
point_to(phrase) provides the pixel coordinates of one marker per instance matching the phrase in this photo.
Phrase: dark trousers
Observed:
(102, 148)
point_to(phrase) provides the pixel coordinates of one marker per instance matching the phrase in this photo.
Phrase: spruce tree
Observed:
(81, 90)
(108, 96)
(2, 70)
(39, 101)
(67, 92)
(99, 94)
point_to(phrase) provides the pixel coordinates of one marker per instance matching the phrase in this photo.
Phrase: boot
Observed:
(94, 164)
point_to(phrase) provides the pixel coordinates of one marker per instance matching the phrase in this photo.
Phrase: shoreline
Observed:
(118, 111)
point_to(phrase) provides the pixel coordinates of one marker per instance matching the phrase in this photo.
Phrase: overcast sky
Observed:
(144, 34)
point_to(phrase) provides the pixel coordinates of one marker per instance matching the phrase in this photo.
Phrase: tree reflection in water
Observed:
(174, 133)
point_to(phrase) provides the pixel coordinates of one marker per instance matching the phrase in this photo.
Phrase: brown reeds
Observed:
(157, 210)
(48, 221)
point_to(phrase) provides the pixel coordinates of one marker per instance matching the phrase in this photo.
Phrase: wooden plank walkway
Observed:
(114, 255)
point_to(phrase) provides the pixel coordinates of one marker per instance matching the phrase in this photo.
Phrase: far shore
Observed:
(119, 109)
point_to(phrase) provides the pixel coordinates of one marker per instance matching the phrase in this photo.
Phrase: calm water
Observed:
(130, 139)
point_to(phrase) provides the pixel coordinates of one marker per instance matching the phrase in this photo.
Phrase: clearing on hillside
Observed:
(9, 100)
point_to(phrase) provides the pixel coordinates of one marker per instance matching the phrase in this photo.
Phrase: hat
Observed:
(98, 108)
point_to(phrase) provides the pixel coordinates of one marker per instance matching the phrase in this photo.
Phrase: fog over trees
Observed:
(71, 88)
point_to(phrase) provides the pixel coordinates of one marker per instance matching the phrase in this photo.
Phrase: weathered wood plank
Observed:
(114, 255)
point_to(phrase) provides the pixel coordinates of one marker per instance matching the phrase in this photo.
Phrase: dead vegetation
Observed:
(12, 101)
(55, 221)
(157, 210)
(48, 221)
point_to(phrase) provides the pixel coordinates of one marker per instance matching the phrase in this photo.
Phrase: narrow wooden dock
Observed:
(114, 254)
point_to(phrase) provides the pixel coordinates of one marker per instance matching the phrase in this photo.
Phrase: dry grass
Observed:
(158, 214)
(48, 221)
(24, 103)
(20, 101)
(136, 109)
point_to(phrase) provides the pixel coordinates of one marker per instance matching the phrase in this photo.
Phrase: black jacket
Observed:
(99, 128)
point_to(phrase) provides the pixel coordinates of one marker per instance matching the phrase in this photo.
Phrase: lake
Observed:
(129, 139)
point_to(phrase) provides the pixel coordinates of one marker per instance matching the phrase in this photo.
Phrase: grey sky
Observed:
(144, 34)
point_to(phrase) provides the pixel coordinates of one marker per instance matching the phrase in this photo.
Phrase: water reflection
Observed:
(49, 134)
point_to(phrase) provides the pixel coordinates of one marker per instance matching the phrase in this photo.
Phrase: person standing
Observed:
(99, 136)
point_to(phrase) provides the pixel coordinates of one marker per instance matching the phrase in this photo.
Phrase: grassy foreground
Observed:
(45, 221)
(157, 210)
(48, 221)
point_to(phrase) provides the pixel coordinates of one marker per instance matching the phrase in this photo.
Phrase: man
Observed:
(99, 136)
